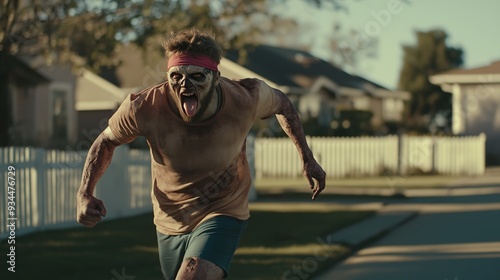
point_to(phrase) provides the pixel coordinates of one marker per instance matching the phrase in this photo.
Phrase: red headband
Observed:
(187, 59)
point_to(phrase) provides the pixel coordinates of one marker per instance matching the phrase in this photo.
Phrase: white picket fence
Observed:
(47, 181)
(374, 156)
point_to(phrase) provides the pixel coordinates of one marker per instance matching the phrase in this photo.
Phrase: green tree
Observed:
(429, 56)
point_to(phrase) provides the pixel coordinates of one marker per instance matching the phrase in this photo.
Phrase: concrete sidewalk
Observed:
(451, 233)
(368, 230)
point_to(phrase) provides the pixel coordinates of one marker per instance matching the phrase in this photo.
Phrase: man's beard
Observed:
(203, 105)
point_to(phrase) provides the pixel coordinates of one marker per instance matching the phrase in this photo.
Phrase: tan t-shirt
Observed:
(199, 170)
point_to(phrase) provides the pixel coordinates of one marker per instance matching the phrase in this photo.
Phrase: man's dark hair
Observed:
(192, 41)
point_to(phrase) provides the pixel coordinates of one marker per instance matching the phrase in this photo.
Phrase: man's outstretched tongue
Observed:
(190, 105)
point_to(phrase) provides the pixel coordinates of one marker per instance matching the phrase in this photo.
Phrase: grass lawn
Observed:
(278, 237)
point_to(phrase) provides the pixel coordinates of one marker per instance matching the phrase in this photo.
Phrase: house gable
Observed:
(95, 93)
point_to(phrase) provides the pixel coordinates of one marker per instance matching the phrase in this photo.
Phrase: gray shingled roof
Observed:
(295, 68)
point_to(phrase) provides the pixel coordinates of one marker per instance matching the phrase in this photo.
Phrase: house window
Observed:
(59, 114)
(362, 103)
(393, 109)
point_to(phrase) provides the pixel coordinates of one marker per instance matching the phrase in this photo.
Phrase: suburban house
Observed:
(64, 108)
(23, 82)
(321, 91)
(476, 99)
(58, 107)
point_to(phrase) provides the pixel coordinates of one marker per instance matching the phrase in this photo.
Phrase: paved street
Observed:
(455, 236)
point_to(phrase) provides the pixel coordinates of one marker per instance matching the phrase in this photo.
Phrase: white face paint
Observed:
(192, 88)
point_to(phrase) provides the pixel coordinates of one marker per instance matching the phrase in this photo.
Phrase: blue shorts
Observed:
(214, 240)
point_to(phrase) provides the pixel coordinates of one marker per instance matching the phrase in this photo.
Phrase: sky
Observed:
(472, 25)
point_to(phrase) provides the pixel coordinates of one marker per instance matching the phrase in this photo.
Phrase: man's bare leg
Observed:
(194, 268)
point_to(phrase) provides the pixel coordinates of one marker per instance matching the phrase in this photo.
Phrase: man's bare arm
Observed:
(90, 210)
(290, 123)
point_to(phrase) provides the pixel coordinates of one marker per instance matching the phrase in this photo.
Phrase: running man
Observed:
(195, 124)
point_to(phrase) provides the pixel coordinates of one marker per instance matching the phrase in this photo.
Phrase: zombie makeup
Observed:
(192, 88)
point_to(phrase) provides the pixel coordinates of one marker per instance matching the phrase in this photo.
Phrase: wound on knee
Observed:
(191, 264)
(195, 268)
